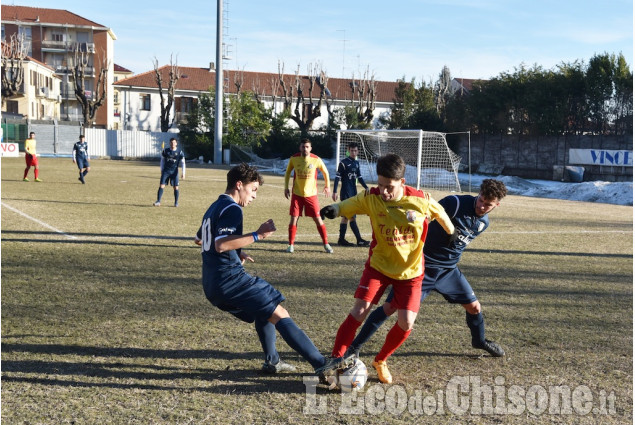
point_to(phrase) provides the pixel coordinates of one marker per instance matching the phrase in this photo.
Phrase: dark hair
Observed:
(305, 140)
(32, 133)
(81, 136)
(391, 166)
(353, 145)
(493, 189)
(245, 173)
(173, 138)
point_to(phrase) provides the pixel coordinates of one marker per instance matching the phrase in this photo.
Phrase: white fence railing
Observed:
(56, 139)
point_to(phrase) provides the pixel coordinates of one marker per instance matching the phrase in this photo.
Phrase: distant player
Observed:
(305, 166)
(399, 217)
(230, 288)
(170, 159)
(470, 216)
(81, 158)
(30, 156)
(348, 172)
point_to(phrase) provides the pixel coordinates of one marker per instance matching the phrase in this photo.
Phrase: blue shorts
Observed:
(82, 163)
(449, 282)
(248, 299)
(171, 178)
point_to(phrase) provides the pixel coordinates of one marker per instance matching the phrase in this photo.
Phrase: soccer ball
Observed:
(353, 378)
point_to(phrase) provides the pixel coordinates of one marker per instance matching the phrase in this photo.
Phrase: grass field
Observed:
(104, 320)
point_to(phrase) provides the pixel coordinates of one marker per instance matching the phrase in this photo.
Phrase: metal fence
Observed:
(57, 139)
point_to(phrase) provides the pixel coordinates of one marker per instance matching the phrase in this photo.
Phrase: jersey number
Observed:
(206, 230)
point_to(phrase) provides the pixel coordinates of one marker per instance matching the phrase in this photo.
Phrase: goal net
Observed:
(429, 161)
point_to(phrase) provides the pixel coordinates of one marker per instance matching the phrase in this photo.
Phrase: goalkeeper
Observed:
(399, 217)
(348, 172)
(470, 216)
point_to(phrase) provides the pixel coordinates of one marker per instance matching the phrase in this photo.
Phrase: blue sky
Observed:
(411, 38)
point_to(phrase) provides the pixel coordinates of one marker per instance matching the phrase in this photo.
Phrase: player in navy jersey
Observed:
(470, 216)
(348, 173)
(170, 160)
(81, 158)
(230, 288)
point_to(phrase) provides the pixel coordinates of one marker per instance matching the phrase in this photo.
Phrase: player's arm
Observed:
(347, 208)
(198, 238)
(327, 181)
(287, 175)
(229, 243)
(338, 176)
(437, 212)
(74, 153)
(360, 179)
(183, 167)
(162, 163)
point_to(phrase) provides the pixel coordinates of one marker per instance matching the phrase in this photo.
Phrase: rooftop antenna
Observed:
(343, 40)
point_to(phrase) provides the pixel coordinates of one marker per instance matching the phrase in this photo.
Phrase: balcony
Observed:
(67, 46)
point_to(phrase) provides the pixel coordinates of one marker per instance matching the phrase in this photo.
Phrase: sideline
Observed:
(41, 223)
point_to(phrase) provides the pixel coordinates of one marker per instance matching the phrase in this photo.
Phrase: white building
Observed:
(141, 108)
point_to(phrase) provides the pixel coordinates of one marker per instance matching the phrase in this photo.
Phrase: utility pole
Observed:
(218, 121)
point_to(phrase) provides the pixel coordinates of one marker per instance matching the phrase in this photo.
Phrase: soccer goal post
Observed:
(429, 161)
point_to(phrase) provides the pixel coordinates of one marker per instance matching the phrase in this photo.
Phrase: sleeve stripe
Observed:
(456, 210)
(229, 206)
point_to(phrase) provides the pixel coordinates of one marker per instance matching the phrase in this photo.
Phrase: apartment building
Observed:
(52, 37)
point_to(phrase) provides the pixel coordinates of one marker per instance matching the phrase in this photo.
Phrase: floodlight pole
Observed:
(218, 115)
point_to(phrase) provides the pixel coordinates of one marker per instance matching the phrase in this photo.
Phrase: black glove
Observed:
(454, 236)
(329, 212)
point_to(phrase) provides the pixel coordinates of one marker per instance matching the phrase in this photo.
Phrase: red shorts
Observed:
(31, 161)
(309, 205)
(407, 292)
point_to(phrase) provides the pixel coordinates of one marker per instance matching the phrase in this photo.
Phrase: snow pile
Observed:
(619, 193)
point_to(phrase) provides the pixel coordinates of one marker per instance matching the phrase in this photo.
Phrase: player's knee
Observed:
(473, 308)
(406, 324)
(278, 314)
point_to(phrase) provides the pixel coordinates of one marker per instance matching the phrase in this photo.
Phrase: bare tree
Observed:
(364, 94)
(304, 111)
(166, 106)
(90, 101)
(13, 54)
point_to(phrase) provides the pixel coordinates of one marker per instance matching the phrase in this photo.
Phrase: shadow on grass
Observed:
(149, 376)
(110, 204)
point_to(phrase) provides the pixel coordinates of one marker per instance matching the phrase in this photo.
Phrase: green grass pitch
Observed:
(104, 320)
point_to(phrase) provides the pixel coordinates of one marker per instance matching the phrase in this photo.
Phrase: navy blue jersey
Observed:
(461, 209)
(171, 160)
(80, 151)
(348, 173)
(223, 218)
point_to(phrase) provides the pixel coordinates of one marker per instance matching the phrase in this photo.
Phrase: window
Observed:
(144, 100)
(115, 98)
(57, 36)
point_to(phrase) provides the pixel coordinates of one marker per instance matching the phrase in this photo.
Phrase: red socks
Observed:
(292, 231)
(345, 335)
(323, 234)
(394, 339)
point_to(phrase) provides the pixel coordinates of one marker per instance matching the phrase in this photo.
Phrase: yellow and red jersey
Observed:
(399, 229)
(305, 174)
(29, 146)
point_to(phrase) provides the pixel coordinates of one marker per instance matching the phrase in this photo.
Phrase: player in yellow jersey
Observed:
(399, 217)
(30, 156)
(305, 166)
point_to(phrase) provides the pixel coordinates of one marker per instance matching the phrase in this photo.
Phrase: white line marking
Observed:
(41, 223)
